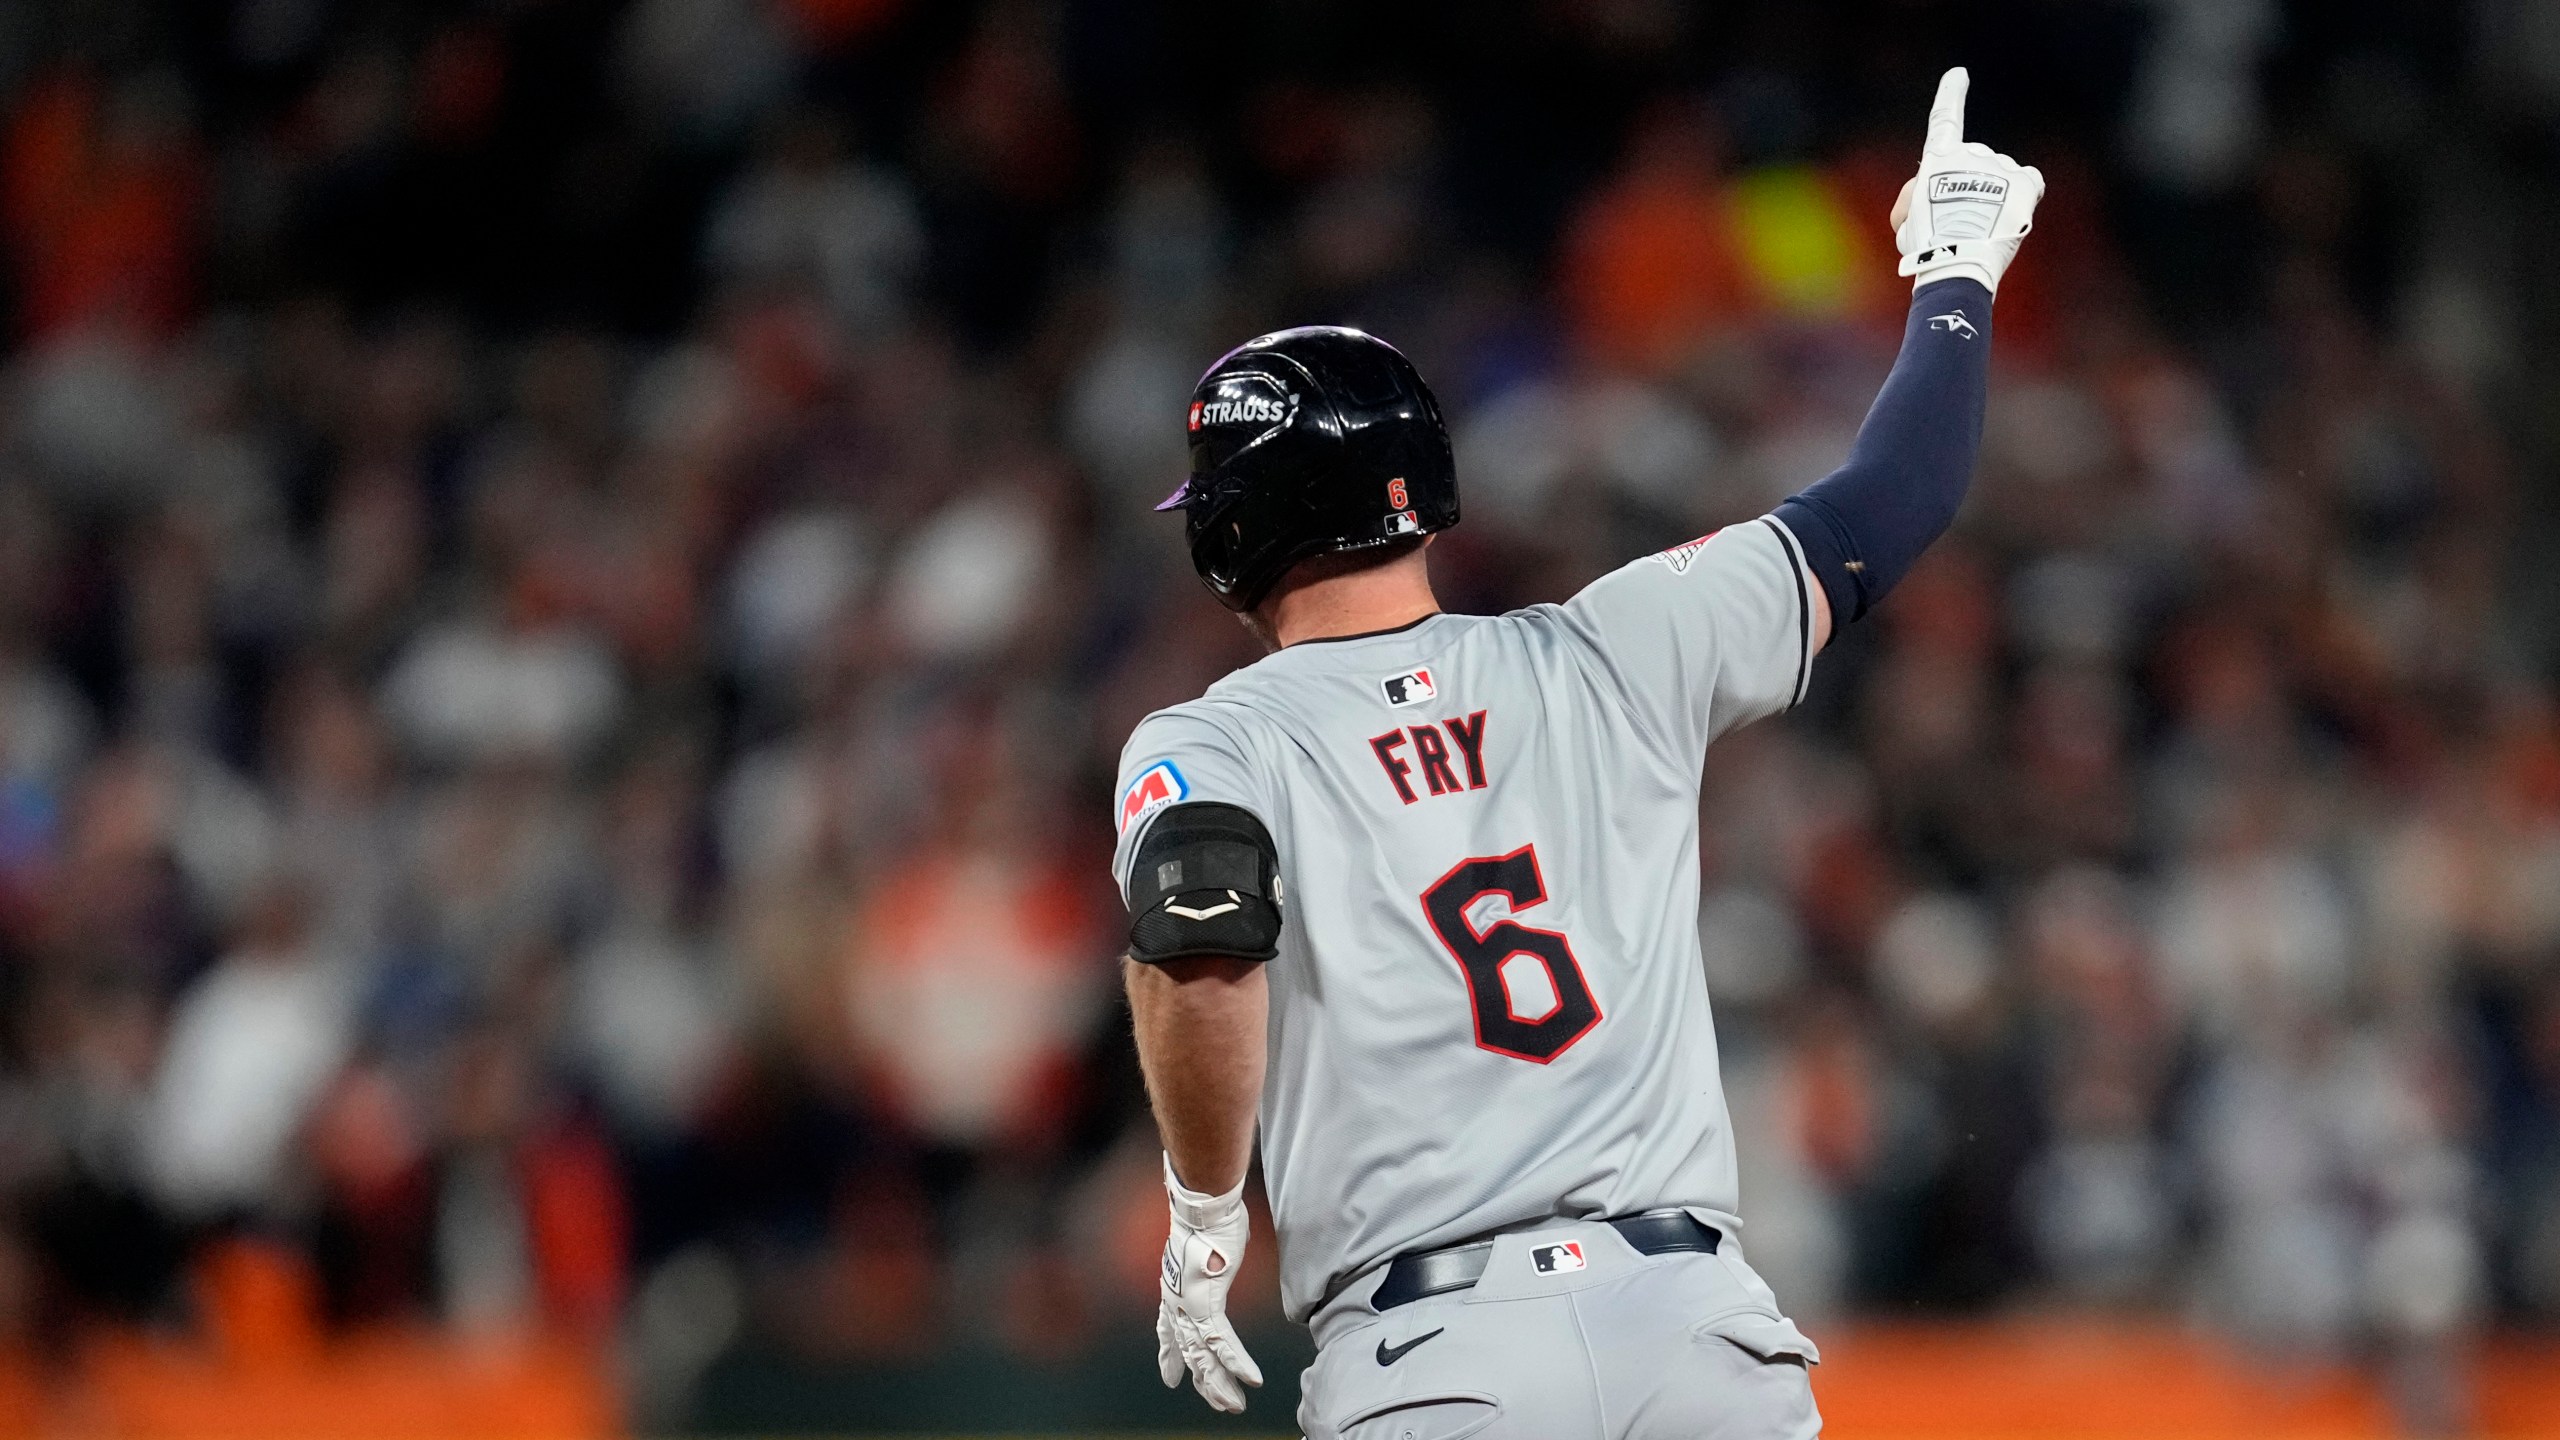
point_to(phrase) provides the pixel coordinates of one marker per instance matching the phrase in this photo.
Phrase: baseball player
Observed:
(1419, 891)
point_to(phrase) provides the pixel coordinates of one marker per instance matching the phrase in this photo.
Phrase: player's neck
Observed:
(1362, 602)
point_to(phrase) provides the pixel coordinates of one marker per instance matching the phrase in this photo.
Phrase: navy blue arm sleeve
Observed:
(1864, 524)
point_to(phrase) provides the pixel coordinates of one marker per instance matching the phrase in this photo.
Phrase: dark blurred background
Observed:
(572, 574)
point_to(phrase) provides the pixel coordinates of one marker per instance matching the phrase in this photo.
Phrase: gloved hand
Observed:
(1200, 1258)
(1967, 209)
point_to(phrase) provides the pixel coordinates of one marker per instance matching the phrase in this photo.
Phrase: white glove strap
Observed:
(1198, 1211)
(1955, 270)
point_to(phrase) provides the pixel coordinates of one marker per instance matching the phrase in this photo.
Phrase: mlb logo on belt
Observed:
(1561, 1259)
(1156, 787)
(1410, 688)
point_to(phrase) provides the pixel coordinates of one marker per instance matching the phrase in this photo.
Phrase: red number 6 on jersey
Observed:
(1484, 956)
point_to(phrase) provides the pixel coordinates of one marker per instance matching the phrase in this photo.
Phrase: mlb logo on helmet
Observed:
(1561, 1259)
(1410, 688)
(1156, 787)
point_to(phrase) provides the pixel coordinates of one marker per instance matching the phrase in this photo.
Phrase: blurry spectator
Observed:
(2253, 932)
(649, 1007)
(969, 578)
(474, 690)
(809, 218)
(1652, 267)
(971, 969)
(102, 186)
(1540, 448)
(704, 67)
(2194, 123)
(250, 1047)
(796, 583)
(2099, 1203)
(1168, 256)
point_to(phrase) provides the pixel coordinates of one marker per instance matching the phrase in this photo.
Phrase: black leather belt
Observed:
(1437, 1272)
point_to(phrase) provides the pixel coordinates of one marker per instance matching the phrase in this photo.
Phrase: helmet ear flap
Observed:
(1305, 442)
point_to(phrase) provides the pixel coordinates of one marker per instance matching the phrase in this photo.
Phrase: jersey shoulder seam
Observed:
(1588, 654)
(1226, 716)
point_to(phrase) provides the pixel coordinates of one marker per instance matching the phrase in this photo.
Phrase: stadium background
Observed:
(572, 573)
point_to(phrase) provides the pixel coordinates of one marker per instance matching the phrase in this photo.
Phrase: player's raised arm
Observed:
(1721, 631)
(1957, 224)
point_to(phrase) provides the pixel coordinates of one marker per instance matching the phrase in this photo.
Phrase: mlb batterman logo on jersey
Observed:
(1157, 786)
(1410, 688)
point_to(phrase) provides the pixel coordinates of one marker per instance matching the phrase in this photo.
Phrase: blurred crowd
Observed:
(572, 576)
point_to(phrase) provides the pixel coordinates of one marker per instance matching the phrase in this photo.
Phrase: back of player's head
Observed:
(1311, 441)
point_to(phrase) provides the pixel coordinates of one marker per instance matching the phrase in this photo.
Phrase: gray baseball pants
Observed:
(1570, 1335)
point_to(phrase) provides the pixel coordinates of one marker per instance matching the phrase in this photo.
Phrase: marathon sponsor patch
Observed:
(1561, 1259)
(1157, 786)
(1681, 556)
(1410, 688)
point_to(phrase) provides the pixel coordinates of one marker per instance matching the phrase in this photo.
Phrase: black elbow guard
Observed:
(1205, 882)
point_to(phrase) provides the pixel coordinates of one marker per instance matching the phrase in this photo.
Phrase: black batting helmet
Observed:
(1305, 442)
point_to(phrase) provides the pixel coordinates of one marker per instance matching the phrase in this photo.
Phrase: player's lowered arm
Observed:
(1957, 223)
(1200, 1032)
(1200, 1041)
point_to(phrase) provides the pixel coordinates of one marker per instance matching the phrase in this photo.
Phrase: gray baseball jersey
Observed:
(1488, 1008)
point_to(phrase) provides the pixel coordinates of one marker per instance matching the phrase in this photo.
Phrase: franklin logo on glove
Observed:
(1967, 187)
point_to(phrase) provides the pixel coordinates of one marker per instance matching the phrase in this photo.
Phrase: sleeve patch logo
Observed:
(1410, 688)
(1681, 556)
(1157, 786)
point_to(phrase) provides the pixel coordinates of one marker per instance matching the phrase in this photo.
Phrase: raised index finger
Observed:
(1946, 113)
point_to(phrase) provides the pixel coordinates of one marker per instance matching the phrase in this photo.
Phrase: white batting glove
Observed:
(1970, 205)
(1200, 1259)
